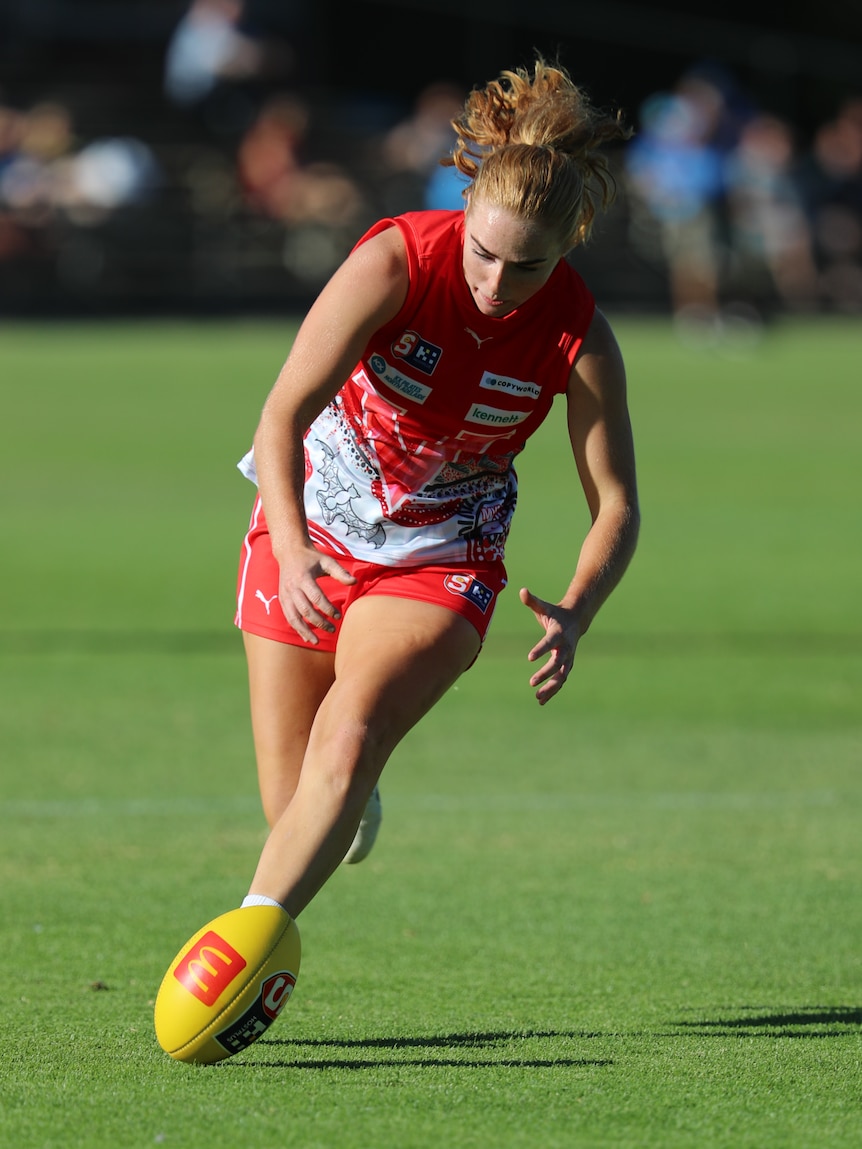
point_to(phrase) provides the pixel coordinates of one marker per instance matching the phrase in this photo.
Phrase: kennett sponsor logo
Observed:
(509, 385)
(409, 388)
(494, 417)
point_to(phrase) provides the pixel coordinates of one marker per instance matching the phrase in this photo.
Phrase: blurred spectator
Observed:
(212, 52)
(319, 202)
(29, 177)
(47, 174)
(37, 142)
(106, 175)
(205, 48)
(11, 129)
(675, 171)
(411, 177)
(278, 182)
(833, 193)
(57, 196)
(675, 180)
(768, 229)
(13, 239)
(268, 156)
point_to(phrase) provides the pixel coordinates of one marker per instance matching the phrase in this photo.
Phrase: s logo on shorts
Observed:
(470, 588)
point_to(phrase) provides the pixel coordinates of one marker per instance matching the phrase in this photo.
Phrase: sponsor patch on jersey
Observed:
(510, 386)
(416, 351)
(494, 416)
(469, 587)
(408, 388)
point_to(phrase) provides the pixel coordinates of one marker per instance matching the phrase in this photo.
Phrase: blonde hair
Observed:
(532, 144)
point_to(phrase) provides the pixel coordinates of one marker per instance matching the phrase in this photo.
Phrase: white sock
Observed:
(260, 900)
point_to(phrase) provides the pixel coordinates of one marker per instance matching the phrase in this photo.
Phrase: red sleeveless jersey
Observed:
(413, 461)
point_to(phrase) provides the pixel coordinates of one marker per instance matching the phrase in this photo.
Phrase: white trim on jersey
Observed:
(240, 598)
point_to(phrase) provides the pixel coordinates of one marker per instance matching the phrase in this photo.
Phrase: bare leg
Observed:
(286, 686)
(395, 660)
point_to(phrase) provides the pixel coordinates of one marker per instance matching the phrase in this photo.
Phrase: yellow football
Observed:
(228, 984)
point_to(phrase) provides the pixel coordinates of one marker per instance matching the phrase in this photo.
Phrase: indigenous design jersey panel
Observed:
(413, 461)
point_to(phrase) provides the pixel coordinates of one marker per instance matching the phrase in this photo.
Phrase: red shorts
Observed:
(470, 590)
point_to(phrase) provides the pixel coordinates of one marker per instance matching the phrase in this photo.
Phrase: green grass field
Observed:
(630, 918)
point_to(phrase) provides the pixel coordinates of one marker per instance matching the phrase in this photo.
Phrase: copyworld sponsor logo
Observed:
(510, 386)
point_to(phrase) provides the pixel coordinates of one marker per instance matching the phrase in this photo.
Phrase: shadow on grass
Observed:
(442, 1050)
(807, 1021)
(434, 1060)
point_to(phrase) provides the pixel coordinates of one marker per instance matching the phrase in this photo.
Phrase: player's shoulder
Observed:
(599, 338)
(378, 267)
(383, 243)
(599, 367)
(413, 228)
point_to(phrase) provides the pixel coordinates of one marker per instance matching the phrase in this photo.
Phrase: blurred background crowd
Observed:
(211, 156)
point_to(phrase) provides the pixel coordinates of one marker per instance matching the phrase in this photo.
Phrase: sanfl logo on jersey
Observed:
(418, 352)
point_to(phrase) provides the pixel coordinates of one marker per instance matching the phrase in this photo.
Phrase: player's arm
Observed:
(364, 293)
(601, 438)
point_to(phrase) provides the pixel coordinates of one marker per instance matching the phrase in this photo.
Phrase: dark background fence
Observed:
(221, 156)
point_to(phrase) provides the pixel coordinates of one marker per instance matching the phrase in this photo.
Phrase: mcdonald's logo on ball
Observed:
(208, 969)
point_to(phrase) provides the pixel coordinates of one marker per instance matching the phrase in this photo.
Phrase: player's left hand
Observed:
(562, 632)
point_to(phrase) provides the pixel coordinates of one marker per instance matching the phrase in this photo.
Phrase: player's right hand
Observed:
(304, 604)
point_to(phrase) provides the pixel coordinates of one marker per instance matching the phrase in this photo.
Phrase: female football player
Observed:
(384, 465)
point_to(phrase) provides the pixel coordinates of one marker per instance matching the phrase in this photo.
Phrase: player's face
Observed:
(506, 258)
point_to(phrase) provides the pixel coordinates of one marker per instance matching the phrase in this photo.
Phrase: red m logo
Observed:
(208, 969)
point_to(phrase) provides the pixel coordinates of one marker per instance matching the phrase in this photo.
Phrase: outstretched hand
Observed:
(562, 632)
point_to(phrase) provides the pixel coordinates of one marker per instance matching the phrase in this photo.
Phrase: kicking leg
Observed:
(286, 686)
(395, 660)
